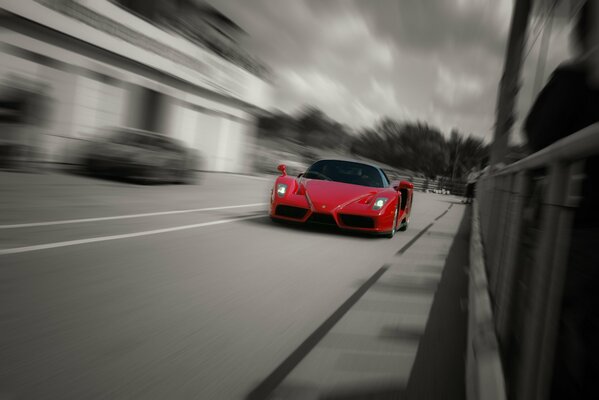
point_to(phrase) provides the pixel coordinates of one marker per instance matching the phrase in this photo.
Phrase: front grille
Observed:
(291, 212)
(326, 219)
(357, 221)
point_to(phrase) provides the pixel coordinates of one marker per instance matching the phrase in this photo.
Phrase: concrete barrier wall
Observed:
(484, 373)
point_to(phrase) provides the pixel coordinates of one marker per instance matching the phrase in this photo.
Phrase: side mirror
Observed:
(406, 185)
(283, 169)
(396, 185)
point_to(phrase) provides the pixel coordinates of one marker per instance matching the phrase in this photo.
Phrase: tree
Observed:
(465, 154)
(318, 130)
(310, 127)
(277, 124)
(415, 146)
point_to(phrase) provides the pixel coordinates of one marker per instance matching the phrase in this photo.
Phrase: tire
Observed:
(170, 176)
(392, 233)
(91, 168)
(190, 176)
(404, 225)
(178, 177)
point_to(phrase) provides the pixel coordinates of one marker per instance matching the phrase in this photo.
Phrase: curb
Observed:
(484, 372)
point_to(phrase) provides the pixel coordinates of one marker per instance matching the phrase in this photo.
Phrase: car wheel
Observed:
(171, 176)
(178, 177)
(188, 176)
(404, 225)
(91, 167)
(392, 233)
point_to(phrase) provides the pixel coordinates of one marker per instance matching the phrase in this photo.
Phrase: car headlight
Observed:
(281, 189)
(379, 203)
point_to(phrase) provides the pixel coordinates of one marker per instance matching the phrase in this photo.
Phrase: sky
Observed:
(436, 61)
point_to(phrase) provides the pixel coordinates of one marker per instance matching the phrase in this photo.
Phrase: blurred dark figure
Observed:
(12, 110)
(471, 185)
(24, 106)
(568, 103)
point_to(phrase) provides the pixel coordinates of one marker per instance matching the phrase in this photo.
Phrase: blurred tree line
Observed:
(311, 127)
(415, 146)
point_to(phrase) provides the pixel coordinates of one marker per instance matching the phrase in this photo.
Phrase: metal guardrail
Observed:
(423, 184)
(526, 213)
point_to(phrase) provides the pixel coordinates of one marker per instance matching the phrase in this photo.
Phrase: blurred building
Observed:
(173, 67)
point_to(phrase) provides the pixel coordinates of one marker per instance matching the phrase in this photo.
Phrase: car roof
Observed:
(139, 131)
(147, 133)
(369, 164)
(350, 160)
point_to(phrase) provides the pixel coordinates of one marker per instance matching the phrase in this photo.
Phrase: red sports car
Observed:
(348, 194)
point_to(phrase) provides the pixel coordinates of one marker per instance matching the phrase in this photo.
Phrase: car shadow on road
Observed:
(310, 228)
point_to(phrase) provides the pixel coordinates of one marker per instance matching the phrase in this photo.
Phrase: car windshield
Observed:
(146, 141)
(345, 172)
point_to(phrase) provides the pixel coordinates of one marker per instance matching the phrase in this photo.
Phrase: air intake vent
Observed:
(325, 219)
(291, 212)
(357, 221)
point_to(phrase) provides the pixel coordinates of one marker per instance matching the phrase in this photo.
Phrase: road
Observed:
(116, 290)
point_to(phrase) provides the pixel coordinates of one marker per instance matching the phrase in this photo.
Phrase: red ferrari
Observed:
(348, 194)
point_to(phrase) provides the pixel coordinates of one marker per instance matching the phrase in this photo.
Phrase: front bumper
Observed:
(355, 217)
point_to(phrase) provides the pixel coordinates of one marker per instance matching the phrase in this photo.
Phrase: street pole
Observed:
(455, 161)
(510, 80)
(539, 74)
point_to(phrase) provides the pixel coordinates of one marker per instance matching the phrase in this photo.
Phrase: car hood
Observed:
(327, 195)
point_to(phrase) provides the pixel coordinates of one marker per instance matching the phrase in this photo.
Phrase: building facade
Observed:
(100, 65)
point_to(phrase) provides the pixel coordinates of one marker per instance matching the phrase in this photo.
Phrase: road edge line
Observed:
(47, 246)
(127, 216)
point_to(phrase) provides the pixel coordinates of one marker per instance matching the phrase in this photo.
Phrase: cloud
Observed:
(454, 87)
(426, 26)
(439, 61)
(315, 87)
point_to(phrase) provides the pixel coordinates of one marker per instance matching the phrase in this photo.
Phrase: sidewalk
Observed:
(439, 371)
(405, 338)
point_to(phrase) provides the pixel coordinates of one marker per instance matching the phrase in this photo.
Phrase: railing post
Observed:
(569, 199)
(506, 284)
(486, 208)
(502, 237)
(498, 227)
(546, 292)
(491, 233)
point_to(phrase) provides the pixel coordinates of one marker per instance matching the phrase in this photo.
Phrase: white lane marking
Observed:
(81, 220)
(46, 246)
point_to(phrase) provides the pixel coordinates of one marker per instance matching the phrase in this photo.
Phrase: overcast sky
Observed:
(437, 61)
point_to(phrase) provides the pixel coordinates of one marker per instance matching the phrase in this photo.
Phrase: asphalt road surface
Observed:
(116, 290)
